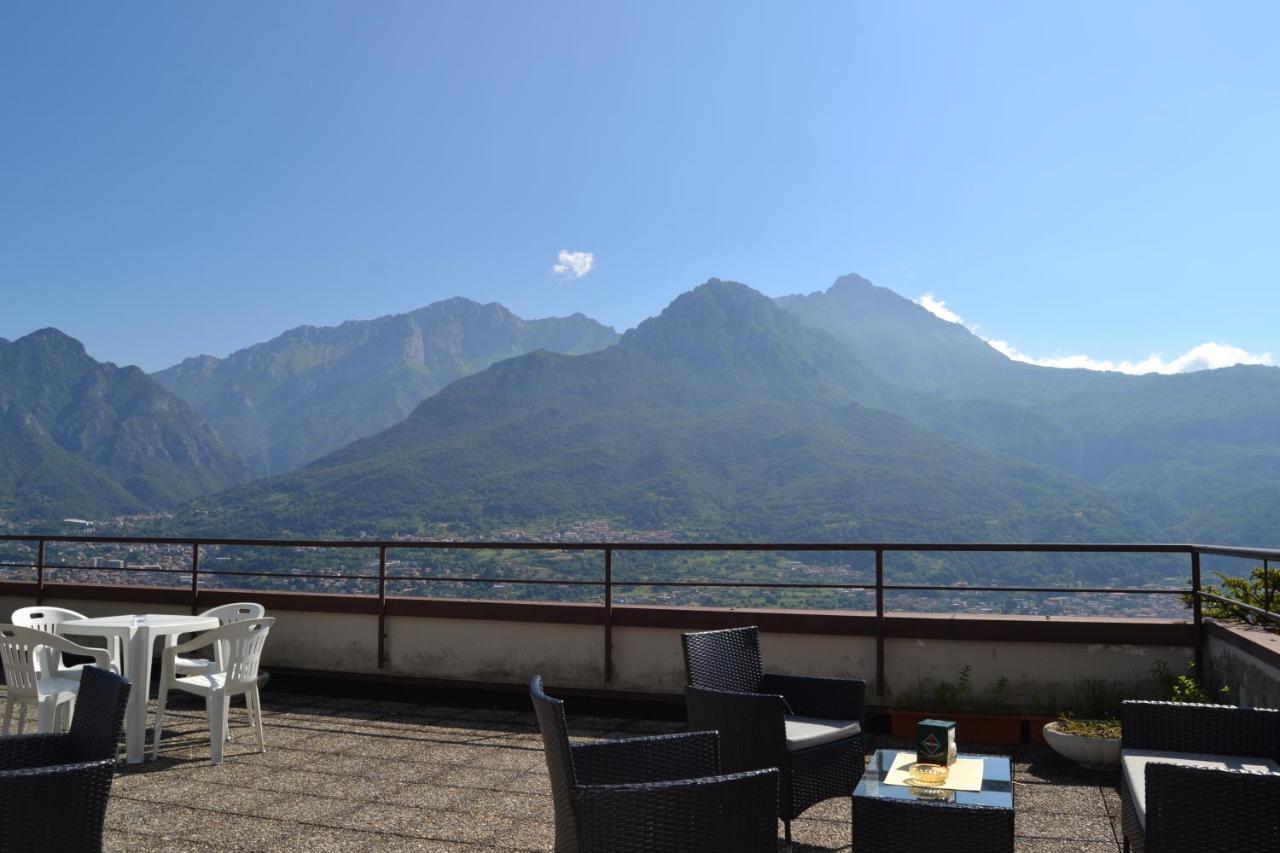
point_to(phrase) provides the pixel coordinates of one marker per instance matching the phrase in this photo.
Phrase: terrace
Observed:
(402, 722)
(347, 773)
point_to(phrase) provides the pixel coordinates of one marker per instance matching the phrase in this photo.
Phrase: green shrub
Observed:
(1186, 687)
(1260, 589)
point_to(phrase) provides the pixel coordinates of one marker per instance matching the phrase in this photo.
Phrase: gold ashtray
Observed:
(928, 792)
(927, 774)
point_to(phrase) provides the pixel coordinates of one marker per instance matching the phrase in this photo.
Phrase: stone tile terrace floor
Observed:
(343, 774)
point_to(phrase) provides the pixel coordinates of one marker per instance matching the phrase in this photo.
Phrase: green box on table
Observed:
(936, 742)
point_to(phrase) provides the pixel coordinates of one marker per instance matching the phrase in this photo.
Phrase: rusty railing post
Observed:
(382, 606)
(608, 615)
(40, 572)
(881, 688)
(1197, 617)
(195, 578)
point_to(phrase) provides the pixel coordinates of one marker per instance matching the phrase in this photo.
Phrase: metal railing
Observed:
(609, 584)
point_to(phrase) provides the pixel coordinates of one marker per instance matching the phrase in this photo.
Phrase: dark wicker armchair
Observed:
(1167, 807)
(809, 728)
(648, 794)
(54, 787)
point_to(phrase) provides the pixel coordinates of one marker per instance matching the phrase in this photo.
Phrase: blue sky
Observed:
(1092, 179)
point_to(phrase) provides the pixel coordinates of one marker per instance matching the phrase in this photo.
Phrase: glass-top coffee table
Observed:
(909, 818)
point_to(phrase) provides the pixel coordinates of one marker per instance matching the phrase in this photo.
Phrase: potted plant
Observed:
(1089, 733)
(1094, 705)
(1093, 744)
(978, 720)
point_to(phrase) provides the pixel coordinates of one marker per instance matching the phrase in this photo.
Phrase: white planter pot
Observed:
(1094, 753)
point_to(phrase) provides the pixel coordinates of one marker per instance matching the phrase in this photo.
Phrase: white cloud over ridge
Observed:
(574, 264)
(938, 308)
(1206, 356)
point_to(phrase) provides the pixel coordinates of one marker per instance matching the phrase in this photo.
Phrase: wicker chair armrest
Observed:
(40, 750)
(811, 696)
(753, 734)
(733, 813)
(647, 759)
(1198, 808)
(1212, 729)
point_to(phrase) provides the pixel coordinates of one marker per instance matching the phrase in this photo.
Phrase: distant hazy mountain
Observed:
(81, 437)
(722, 416)
(310, 391)
(1184, 449)
(900, 340)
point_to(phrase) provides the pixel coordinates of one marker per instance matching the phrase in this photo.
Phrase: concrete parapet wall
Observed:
(506, 642)
(1246, 661)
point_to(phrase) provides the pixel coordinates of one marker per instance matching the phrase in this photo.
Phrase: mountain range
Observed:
(724, 415)
(311, 390)
(735, 416)
(845, 414)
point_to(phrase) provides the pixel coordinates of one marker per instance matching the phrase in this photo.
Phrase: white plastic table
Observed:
(138, 635)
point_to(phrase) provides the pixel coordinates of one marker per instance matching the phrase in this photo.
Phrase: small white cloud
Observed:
(574, 264)
(938, 308)
(1206, 356)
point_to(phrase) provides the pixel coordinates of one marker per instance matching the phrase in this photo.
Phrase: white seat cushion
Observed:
(1133, 764)
(62, 687)
(201, 684)
(806, 732)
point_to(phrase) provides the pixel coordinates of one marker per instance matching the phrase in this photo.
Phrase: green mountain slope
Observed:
(724, 417)
(283, 403)
(40, 480)
(1166, 443)
(80, 437)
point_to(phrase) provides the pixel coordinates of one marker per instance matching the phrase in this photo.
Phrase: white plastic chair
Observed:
(20, 650)
(241, 644)
(49, 619)
(227, 614)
